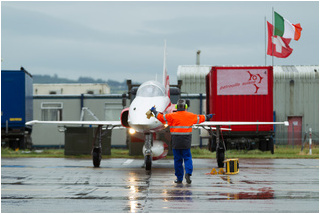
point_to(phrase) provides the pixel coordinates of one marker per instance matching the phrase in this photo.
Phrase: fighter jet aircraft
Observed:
(150, 93)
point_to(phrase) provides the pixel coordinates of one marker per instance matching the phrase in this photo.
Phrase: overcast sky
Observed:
(125, 40)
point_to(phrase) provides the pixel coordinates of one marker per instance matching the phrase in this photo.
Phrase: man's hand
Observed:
(209, 116)
(153, 109)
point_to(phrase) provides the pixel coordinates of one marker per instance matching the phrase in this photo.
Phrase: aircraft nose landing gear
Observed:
(148, 140)
(148, 162)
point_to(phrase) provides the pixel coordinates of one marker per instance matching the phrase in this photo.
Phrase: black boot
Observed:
(188, 178)
(177, 181)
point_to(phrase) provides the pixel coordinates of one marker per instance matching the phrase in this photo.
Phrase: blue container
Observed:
(16, 98)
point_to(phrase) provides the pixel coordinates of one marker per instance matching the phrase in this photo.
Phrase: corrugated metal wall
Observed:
(296, 94)
(193, 78)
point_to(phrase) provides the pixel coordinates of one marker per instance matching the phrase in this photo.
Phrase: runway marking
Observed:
(127, 162)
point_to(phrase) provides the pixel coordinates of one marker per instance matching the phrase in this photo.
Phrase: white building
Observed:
(86, 88)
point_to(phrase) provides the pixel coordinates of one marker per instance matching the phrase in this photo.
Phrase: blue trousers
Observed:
(180, 155)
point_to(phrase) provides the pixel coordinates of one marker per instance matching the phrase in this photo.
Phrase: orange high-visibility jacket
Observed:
(180, 122)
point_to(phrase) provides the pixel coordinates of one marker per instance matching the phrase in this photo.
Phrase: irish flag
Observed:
(283, 28)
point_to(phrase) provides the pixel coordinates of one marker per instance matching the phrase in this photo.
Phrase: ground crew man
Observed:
(180, 123)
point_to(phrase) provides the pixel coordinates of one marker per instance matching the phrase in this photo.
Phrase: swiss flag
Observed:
(278, 46)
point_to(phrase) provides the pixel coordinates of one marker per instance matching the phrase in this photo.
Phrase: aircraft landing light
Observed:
(132, 131)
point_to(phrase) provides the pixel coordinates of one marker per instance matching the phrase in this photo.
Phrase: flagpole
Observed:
(272, 37)
(265, 41)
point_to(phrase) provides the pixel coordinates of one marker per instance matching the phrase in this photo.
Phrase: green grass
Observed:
(285, 152)
(49, 153)
(280, 152)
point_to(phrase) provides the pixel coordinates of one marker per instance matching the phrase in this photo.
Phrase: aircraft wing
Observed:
(219, 123)
(97, 123)
(207, 127)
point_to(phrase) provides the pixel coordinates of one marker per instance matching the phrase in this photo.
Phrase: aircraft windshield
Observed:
(150, 89)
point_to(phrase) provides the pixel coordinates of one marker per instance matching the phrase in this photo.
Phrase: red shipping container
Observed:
(241, 94)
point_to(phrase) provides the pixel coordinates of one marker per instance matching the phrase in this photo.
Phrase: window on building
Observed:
(55, 91)
(113, 110)
(93, 91)
(51, 111)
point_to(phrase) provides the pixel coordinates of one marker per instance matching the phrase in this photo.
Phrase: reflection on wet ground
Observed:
(177, 194)
(66, 185)
(262, 193)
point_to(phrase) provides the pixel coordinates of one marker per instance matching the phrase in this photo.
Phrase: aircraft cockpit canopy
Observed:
(151, 89)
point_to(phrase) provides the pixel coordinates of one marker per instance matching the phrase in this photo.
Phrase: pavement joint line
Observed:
(127, 162)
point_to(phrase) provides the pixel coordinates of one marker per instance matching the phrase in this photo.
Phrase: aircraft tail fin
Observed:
(166, 81)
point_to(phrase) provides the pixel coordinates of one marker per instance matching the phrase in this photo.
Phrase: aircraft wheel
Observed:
(96, 157)
(148, 162)
(220, 157)
(271, 145)
(212, 144)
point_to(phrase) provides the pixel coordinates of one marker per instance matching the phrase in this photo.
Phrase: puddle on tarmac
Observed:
(137, 188)
(258, 194)
(133, 207)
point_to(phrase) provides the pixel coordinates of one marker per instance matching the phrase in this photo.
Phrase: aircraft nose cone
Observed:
(138, 119)
(138, 115)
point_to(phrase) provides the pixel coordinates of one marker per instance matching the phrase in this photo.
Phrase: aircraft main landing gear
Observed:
(220, 149)
(96, 156)
(217, 145)
(97, 147)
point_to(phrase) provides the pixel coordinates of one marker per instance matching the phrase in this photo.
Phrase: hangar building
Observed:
(84, 88)
(295, 94)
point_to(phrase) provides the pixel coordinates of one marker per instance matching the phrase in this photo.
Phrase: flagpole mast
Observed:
(272, 37)
(265, 41)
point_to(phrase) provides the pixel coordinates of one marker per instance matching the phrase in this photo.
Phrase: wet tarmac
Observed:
(34, 185)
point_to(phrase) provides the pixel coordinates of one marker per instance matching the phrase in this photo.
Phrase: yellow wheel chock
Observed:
(220, 172)
(232, 168)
